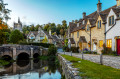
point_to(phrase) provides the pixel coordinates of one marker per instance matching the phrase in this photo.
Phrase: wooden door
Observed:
(118, 46)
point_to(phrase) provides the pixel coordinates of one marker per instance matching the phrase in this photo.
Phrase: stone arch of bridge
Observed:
(23, 56)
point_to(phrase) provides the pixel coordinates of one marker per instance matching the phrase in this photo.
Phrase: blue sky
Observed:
(45, 11)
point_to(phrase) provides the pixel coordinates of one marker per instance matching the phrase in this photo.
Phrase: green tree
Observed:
(52, 27)
(64, 24)
(45, 40)
(52, 50)
(32, 28)
(16, 36)
(2, 37)
(46, 27)
(58, 28)
(37, 27)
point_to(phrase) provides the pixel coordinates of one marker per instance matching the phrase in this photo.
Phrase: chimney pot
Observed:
(84, 15)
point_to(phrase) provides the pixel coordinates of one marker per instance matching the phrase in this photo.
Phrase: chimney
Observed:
(118, 3)
(50, 32)
(84, 15)
(99, 6)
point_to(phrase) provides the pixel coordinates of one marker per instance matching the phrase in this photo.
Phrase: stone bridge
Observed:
(14, 51)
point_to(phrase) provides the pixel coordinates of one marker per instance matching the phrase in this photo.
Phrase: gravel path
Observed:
(113, 61)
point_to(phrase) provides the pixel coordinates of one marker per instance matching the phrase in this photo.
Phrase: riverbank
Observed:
(68, 71)
(93, 70)
(3, 62)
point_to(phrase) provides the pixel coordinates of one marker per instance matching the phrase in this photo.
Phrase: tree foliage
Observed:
(2, 37)
(16, 36)
(45, 40)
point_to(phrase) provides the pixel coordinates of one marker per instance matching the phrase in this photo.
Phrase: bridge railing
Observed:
(4, 49)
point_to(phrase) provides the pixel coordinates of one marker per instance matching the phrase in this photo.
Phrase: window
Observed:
(111, 20)
(99, 24)
(77, 24)
(78, 34)
(101, 43)
(83, 21)
(88, 28)
(109, 43)
(73, 35)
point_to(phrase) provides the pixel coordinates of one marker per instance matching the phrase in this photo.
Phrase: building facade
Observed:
(18, 26)
(97, 29)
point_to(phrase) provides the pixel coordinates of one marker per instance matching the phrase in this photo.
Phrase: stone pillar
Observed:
(14, 53)
(14, 68)
(31, 54)
(31, 64)
(41, 51)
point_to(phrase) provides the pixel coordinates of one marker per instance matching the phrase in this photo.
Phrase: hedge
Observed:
(46, 45)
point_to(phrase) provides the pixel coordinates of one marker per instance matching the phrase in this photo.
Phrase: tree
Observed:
(46, 27)
(62, 32)
(52, 27)
(58, 29)
(3, 11)
(16, 36)
(2, 37)
(37, 27)
(45, 40)
(64, 24)
(32, 28)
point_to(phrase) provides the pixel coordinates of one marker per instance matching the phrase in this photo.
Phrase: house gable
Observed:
(111, 13)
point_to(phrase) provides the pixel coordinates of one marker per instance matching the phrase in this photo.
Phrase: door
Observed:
(80, 46)
(118, 46)
(94, 47)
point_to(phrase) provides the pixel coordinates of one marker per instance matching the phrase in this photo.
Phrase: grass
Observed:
(90, 70)
(3, 63)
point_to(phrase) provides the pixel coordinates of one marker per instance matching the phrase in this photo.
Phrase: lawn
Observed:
(90, 70)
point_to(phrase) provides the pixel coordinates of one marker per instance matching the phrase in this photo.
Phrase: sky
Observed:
(52, 11)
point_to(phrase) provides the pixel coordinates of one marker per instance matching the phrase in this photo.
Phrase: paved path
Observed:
(113, 61)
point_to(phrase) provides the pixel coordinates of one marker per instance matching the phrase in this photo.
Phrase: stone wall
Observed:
(68, 70)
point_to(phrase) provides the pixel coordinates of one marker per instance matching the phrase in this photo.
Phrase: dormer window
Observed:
(83, 21)
(88, 27)
(77, 24)
(99, 24)
(73, 35)
(78, 34)
(111, 20)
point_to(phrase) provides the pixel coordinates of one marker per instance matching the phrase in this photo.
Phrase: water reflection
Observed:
(33, 69)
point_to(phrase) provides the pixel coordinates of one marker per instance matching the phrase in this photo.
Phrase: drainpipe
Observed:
(105, 37)
(90, 40)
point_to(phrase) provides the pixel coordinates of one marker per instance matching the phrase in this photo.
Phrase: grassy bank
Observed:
(3, 62)
(93, 70)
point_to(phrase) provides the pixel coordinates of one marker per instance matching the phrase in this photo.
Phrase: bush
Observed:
(108, 51)
(66, 49)
(46, 45)
(86, 51)
(75, 49)
(52, 51)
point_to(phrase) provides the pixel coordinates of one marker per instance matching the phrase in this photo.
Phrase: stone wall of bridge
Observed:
(14, 50)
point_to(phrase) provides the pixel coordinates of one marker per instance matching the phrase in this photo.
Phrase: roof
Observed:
(49, 37)
(82, 39)
(34, 32)
(72, 40)
(93, 18)
(55, 38)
